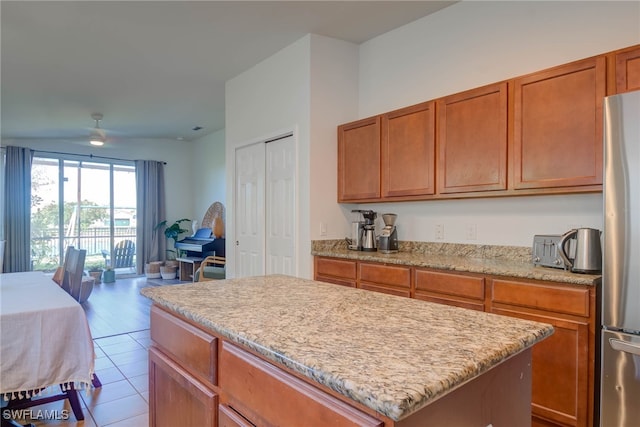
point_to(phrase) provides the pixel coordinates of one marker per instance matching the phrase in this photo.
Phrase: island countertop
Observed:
(392, 354)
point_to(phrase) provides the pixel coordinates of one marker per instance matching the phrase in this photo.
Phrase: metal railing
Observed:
(45, 247)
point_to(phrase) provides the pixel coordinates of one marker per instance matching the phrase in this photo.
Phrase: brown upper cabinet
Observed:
(627, 70)
(535, 134)
(472, 140)
(558, 126)
(359, 160)
(387, 156)
(408, 147)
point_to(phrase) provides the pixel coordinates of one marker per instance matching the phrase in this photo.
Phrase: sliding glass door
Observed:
(86, 204)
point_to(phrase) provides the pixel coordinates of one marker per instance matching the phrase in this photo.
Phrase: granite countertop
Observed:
(392, 354)
(492, 260)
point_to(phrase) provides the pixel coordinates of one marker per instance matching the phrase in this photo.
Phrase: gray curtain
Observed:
(17, 209)
(151, 244)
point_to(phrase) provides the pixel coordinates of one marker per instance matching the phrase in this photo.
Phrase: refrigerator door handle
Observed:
(624, 346)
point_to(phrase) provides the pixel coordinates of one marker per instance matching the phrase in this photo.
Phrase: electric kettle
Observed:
(588, 250)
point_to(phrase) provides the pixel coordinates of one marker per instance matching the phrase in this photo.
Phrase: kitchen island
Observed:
(282, 350)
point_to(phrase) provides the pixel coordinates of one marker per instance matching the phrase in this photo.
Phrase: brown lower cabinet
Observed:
(466, 291)
(227, 417)
(388, 279)
(196, 379)
(563, 364)
(563, 376)
(182, 373)
(177, 398)
(248, 390)
(336, 271)
(261, 392)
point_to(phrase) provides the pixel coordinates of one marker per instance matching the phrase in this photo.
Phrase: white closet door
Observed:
(250, 203)
(266, 208)
(280, 206)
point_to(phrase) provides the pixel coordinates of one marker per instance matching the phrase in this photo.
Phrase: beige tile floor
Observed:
(122, 401)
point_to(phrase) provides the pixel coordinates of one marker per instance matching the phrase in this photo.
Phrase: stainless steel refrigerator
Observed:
(620, 345)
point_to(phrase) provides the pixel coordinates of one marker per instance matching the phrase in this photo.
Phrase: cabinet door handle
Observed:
(624, 346)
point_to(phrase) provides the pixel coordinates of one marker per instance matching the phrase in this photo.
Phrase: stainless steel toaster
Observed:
(546, 251)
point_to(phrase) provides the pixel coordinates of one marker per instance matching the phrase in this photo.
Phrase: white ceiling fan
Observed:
(98, 135)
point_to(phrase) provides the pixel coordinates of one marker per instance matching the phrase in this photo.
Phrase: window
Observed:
(86, 204)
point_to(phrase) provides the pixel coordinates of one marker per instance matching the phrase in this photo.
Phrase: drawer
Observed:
(335, 281)
(451, 300)
(227, 417)
(390, 275)
(259, 390)
(191, 347)
(450, 284)
(558, 299)
(389, 290)
(176, 398)
(344, 269)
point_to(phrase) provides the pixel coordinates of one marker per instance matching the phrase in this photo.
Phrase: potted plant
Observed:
(173, 232)
(109, 275)
(95, 271)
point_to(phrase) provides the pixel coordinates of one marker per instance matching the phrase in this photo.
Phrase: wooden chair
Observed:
(123, 254)
(73, 271)
(68, 391)
(211, 268)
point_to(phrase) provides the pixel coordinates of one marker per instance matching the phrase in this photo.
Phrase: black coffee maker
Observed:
(389, 236)
(369, 232)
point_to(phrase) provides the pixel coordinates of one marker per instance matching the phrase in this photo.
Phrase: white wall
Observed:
(334, 100)
(208, 172)
(309, 87)
(471, 44)
(177, 154)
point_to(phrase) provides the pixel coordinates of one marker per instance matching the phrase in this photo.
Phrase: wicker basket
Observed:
(152, 270)
(168, 271)
(171, 263)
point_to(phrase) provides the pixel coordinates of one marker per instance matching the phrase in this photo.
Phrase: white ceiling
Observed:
(156, 69)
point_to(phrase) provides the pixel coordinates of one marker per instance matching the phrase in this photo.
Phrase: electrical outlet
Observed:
(439, 232)
(471, 232)
(323, 228)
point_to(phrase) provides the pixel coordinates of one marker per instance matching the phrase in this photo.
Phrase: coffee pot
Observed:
(363, 232)
(369, 233)
(587, 256)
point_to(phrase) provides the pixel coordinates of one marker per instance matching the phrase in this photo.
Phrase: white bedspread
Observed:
(44, 335)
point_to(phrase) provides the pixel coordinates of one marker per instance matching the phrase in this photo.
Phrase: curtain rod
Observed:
(91, 156)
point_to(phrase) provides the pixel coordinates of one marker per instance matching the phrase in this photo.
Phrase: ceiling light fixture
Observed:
(97, 137)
